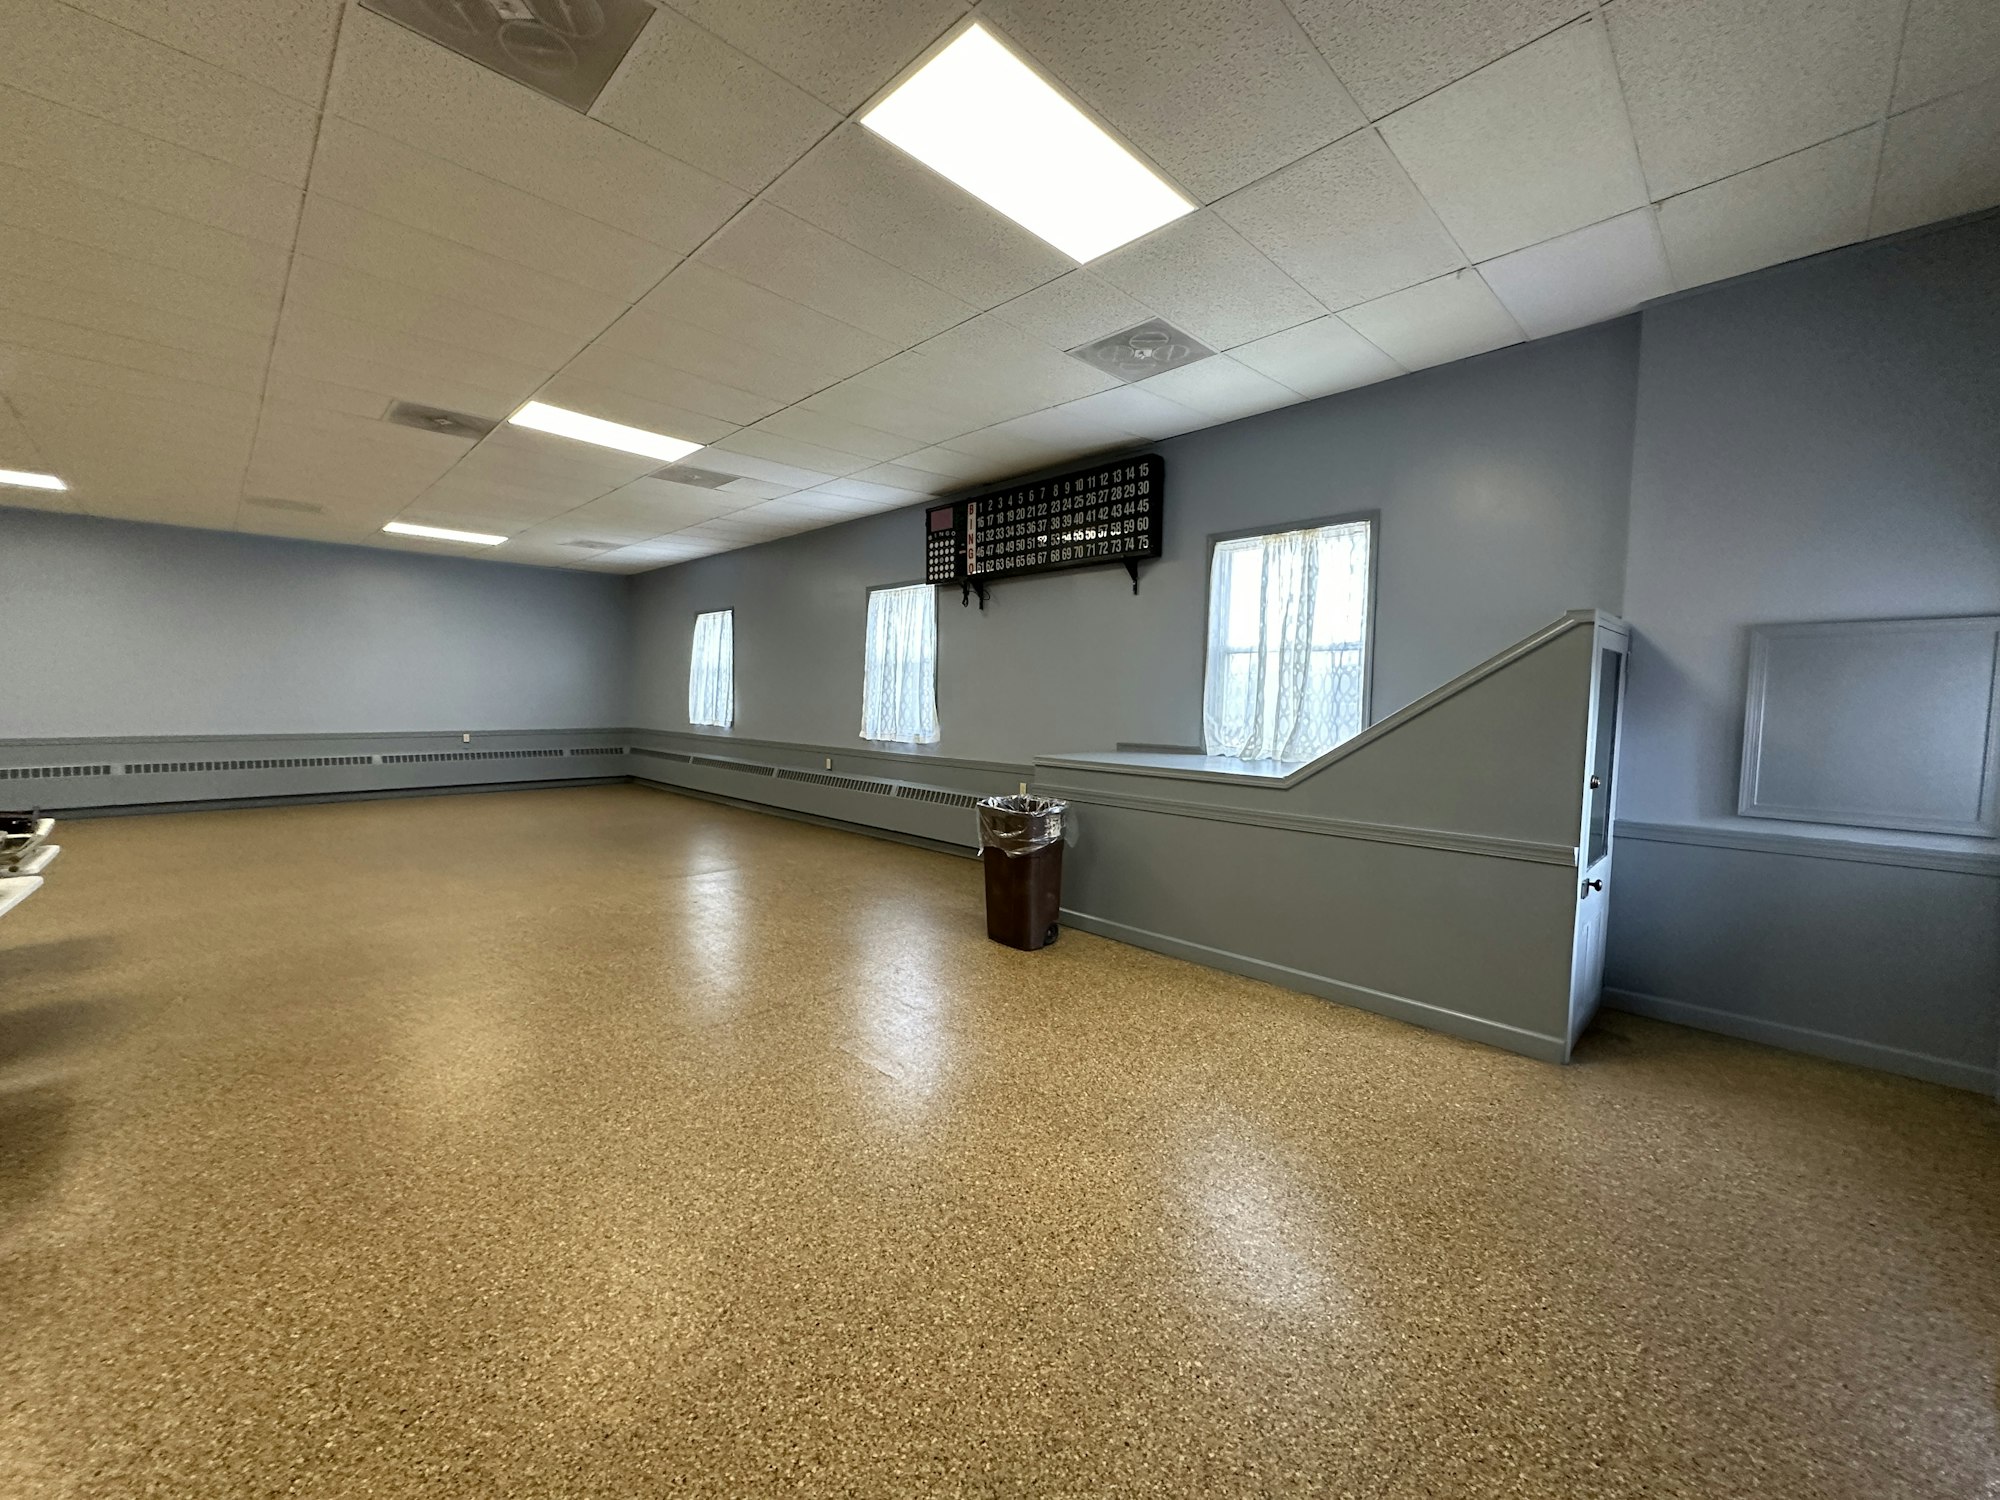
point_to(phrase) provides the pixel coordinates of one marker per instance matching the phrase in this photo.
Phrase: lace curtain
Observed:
(1287, 643)
(712, 670)
(899, 673)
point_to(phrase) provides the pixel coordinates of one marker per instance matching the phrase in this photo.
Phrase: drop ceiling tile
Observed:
(856, 185)
(858, 400)
(36, 135)
(1797, 205)
(68, 211)
(27, 331)
(379, 247)
(303, 390)
(369, 299)
(1013, 452)
(800, 455)
(386, 177)
(1205, 278)
(840, 53)
(1450, 318)
(1390, 52)
(1020, 371)
(936, 463)
(768, 378)
(700, 296)
(1940, 160)
(398, 84)
(1136, 410)
(153, 324)
(1345, 223)
(844, 437)
(666, 507)
(608, 365)
(1217, 92)
(1947, 45)
(74, 59)
(26, 373)
(330, 333)
(749, 491)
(1221, 390)
(1583, 277)
(862, 493)
(120, 279)
(692, 95)
(319, 359)
(1715, 86)
(1318, 358)
(1073, 310)
(1071, 431)
(1528, 148)
(727, 458)
(17, 447)
(898, 477)
(285, 45)
(783, 254)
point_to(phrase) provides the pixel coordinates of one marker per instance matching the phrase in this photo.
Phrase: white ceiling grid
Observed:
(232, 232)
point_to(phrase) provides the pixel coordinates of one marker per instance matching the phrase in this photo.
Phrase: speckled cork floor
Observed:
(606, 1143)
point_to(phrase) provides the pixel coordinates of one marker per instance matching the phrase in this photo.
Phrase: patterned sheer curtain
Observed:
(899, 672)
(1287, 643)
(712, 670)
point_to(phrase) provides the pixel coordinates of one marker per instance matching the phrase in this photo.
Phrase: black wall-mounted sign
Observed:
(1108, 513)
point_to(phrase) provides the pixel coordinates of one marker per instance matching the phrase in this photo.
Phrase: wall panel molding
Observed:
(1809, 846)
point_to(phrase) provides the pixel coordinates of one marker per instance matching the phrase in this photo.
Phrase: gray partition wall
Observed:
(1427, 869)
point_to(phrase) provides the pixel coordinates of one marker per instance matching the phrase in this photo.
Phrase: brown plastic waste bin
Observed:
(1021, 846)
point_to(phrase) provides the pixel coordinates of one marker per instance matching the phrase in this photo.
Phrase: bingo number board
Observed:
(1109, 513)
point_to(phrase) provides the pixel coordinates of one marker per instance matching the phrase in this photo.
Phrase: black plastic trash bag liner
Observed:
(1020, 825)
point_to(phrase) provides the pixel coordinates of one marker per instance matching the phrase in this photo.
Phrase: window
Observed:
(1287, 674)
(712, 670)
(899, 671)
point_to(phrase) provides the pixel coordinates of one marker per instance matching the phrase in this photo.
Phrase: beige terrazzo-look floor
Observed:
(607, 1143)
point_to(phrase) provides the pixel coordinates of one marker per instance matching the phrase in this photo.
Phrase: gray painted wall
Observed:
(1501, 485)
(118, 629)
(1820, 442)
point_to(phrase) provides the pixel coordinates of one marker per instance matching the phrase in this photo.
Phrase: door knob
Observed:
(1593, 885)
(1596, 782)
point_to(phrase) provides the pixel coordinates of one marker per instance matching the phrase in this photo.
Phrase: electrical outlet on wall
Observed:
(829, 762)
(465, 739)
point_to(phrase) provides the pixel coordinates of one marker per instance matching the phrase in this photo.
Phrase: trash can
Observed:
(1021, 845)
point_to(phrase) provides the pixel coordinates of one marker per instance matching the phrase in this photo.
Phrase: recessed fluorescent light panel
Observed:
(574, 424)
(979, 115)
(443, 534)
(22, 479)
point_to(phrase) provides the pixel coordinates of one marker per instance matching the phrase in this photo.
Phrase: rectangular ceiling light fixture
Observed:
(574, 424)
(22, 479)
(978, 114)
(443, 534)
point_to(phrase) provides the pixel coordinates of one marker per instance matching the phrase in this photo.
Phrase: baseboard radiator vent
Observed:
(731, 765)
(600, 750)
(412, 757)
(182, 767)
(845, 783)
(937, 795)
(661, 754)
(43, 773)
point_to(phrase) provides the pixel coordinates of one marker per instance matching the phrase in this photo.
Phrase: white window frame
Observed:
(703, 673)
(899, 679)
(1372, 522)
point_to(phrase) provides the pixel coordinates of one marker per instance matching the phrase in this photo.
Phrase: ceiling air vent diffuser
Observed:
(274, 502)
(706, 479)
(1148, 349)
(590, 546)
(566, 49)
(436, 419)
